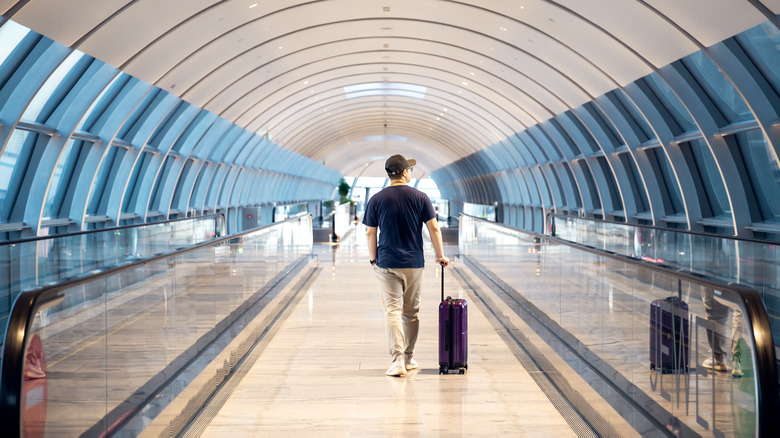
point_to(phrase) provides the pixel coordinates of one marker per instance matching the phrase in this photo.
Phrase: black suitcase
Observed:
(669, 335)
(453, 334)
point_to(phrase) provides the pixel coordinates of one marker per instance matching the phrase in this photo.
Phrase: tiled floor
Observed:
(323, 374)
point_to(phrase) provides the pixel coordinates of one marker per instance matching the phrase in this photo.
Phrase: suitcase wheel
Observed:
(462, 371)
(443, 370)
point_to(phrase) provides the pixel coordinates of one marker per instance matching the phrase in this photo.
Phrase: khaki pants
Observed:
(399, 290)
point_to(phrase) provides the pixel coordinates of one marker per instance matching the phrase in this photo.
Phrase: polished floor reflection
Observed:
(323, 372)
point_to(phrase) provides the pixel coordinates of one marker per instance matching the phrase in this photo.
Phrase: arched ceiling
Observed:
(349, 82)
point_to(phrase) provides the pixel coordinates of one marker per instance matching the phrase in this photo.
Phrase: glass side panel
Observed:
(680, 352)
(113, 344)
(25, 265)
(755, 264)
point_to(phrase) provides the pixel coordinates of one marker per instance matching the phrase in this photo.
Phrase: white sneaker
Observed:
(397, 368)
(411, 364)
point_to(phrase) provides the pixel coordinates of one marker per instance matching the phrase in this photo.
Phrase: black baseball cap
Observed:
(396, 164)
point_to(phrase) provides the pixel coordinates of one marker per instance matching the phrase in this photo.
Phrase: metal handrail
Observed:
(23, 313)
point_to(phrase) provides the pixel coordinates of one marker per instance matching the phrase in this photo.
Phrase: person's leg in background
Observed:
(718, 313)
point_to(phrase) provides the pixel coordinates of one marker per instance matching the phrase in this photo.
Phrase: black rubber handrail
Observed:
(23, 312)
(123, 227)
(768, 399)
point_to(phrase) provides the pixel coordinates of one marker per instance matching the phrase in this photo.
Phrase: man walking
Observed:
(398, 212)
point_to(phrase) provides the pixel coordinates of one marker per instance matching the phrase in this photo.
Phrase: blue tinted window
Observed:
(101, 102)
(13, 152)
(643, 132)
(11, 34)
(671, 102)
(35, 107)
(670, 181)
(61, 174)
(718, 88)
(711, 178)
(762, 44)
(101, 182)
(636, 184)
(762, 166)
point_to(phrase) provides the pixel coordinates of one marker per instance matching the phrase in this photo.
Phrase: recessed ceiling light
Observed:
(502, 29)
(305, 82)
(386, 8)
(252, 5)
(281, 47)
(465, 83)
(472, 73)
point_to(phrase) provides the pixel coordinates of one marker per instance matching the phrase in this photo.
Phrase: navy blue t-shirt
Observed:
(399, 212)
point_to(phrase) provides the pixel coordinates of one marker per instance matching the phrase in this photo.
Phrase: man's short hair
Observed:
(395, 165)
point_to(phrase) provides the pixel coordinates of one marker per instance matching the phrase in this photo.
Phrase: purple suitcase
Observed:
(453, 334)
(669, 335)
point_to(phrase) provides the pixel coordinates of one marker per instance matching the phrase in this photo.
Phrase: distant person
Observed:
(399, 211)
(718, 337)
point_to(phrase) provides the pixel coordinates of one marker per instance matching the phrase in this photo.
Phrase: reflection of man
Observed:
(399, 211)
(638, 242)
(717, 312)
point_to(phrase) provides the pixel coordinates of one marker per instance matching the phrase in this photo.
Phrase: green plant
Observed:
(343, 190)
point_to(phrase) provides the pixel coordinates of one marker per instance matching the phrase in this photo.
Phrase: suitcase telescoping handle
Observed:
(442, 281)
